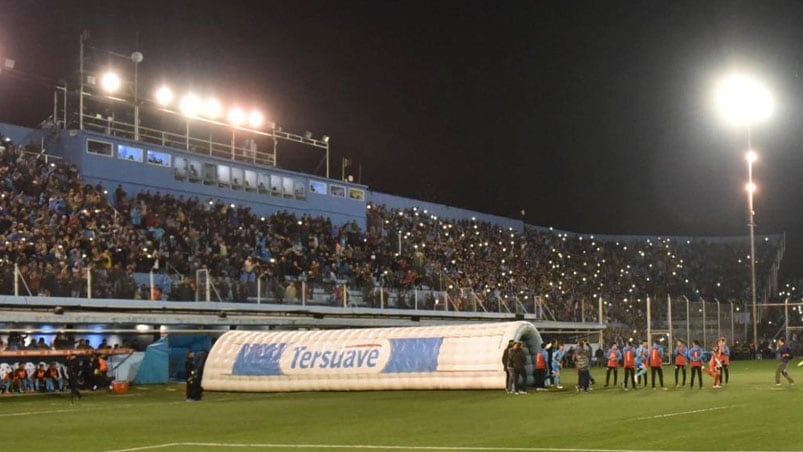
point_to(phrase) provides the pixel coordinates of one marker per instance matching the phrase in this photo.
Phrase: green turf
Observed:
(750, 414)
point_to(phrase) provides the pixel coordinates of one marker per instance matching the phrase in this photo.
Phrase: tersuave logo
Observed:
(350, 356)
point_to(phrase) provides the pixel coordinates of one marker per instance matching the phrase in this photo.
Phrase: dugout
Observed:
(464, 356)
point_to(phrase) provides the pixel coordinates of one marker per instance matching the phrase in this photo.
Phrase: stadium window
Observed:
(287, 187)
(180, 168)
(337, 190)
(236, 178)
(317, 187)
(159, 158)
(356, 194)
(99, 148)
(223, 176)
(129, 153)
(250, 180)
(194, 171)
(299, 189)
(263, 182)
(275, 185)
(210, 174)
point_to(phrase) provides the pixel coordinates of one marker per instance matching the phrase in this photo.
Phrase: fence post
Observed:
(719, 326)
(303, 293)
(649, 320)
(786, 319)
(705, 333)
(150, 279)
(16, 280)
(688, 326)
(733, 333)
(669, 318)
(89, 283)
(259, 289)
(600, 311)
(382, 297)
(345, 297)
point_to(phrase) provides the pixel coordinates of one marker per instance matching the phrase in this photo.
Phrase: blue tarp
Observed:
(179, 346)
(154, 368)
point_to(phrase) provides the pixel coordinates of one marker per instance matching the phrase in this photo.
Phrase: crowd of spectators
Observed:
(54, 228)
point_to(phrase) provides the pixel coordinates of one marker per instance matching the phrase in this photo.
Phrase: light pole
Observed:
(743, 101)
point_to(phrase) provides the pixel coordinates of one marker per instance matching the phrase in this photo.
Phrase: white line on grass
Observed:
(704, 410)
(28, 413)
(391, 447)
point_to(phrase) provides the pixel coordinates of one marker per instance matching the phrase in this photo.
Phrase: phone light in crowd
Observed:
(255, 119)
(213, 109)
(110, 82)
(236, 117)
(164, 96)
(190, 105)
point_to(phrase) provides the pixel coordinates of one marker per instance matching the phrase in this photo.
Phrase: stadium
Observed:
(162, 246)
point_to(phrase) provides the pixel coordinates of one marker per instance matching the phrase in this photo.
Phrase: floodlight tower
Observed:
(743, 101)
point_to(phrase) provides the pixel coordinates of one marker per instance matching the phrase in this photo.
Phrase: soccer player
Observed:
(614, 355)
(629, 357)
(557, 357)
(725, 356)
(784, 354)
(680, 361)
(642, 354)
(695, 356)
(656, 364)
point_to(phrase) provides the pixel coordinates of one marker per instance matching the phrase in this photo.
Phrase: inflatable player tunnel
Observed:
(466, 356)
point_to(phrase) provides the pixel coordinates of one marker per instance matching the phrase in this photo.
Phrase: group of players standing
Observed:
(636, 361)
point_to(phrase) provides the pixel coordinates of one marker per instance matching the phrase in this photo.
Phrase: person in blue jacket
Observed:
(695, 355)
(557, 357)
(642, 352)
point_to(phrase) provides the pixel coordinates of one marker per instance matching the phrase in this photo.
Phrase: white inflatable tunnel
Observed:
(467, 356)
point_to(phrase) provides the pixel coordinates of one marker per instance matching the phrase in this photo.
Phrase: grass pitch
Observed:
(751, 413)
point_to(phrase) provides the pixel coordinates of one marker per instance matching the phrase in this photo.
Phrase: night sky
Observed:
(591, 116)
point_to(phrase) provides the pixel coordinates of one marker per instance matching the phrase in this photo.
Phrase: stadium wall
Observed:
(439, 357)
(135, 175)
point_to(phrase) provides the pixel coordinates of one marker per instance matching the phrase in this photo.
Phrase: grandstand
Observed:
(116, 226)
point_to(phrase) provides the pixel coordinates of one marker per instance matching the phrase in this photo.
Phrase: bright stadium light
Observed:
(190, 105)
(742, 100)
(255, 119)
(110, 82)
(213, 109)
(164, 96)
(236, 117)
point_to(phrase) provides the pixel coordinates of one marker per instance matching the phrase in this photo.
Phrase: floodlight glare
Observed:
(164, 96)
(750, 187)
(255, 119)
(743, 100)
(751, 156)
(190, 105)
(213, 109)
(110, 82)
(236, 117)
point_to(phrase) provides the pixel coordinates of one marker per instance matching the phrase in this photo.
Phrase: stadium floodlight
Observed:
(213, 109)
(110, 81)
(164, 96)
(750, 187)
(255, 119)
(236, 117)
(190, 105)
(743, 100)
(751, 156)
